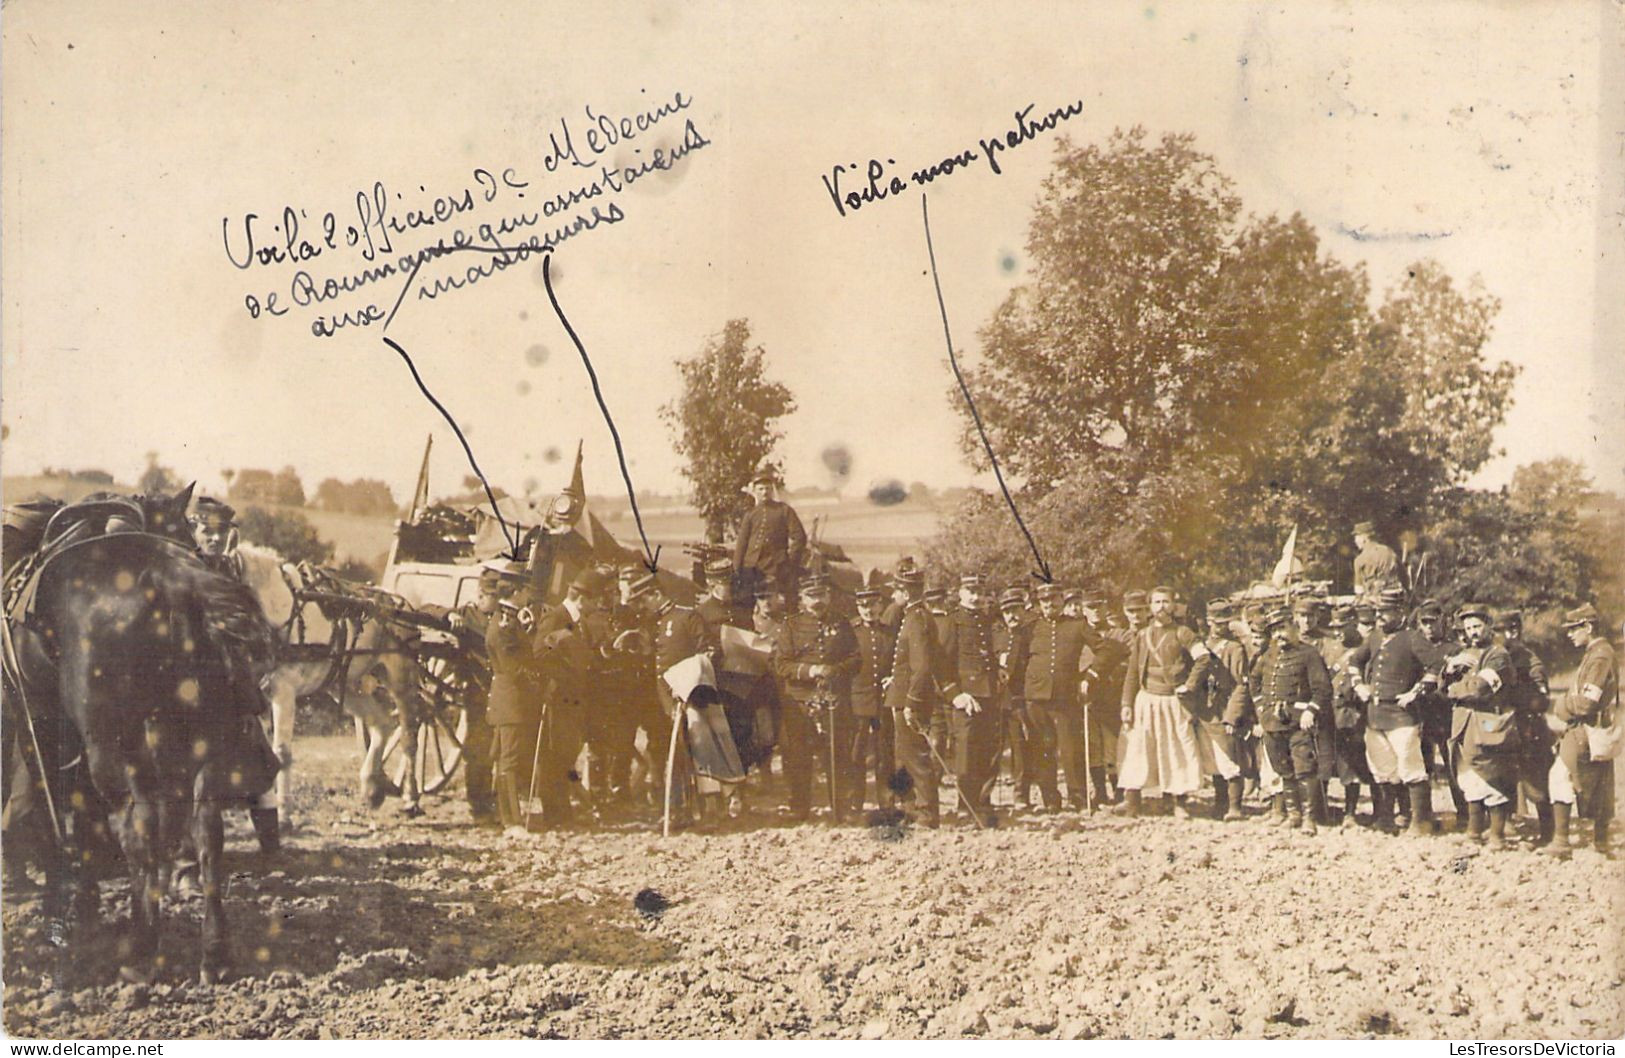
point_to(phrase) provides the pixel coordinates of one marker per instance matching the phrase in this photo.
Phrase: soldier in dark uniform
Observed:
(1480, 682)
(816, 658)
(514, 711)
(471, 623)
(1391, 670)
(1531, 698)
(628, 695)
(911, 696)
(1219, 693)
(875, 738)
(1439, 749)
(575, 633)
(970, 687)
(1009, 643)
(721, 606)
(770, 546)
(1292, 692)
(1051, 684)
(936, 604)
(1580, 784)
(1104, 661)
(1348, 716)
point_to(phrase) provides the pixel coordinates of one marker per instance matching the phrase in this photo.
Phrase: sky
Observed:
(1485, 135)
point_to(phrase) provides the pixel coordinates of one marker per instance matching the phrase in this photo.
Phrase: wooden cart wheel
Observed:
(442, 732)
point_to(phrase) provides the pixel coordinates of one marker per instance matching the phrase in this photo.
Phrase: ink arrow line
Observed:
(1043, 571)
(651, 559)
(513, 542)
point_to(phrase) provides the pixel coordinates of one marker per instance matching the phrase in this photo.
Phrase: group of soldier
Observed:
(948, 683)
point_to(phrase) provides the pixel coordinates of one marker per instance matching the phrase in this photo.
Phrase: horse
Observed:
(380, 694)
(138, 665)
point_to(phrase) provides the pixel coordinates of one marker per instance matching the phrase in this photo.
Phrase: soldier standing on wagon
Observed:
(770, 546)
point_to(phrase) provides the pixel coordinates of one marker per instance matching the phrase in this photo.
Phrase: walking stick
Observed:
(535, 766)
(834, 801)
(1088, 764)
(679, 717)
(948, 771)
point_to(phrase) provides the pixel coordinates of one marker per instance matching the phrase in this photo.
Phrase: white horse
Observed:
(377, 682)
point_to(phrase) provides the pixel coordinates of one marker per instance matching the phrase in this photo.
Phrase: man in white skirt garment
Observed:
(1167, 662)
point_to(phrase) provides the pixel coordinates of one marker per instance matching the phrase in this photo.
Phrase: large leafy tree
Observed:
(723, 422)
(1180, 384)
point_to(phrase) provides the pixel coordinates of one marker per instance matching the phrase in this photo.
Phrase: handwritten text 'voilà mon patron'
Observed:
(498, 218)
(853, 187)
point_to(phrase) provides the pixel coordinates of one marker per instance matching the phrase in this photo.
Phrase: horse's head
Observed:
(166, 515)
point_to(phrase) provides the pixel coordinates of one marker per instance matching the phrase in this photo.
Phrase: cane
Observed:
(977, 819)
(535, 766)
(1088, 763)
(834, 801)
(679, 717)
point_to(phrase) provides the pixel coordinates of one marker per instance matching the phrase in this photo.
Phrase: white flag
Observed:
(1289, 564)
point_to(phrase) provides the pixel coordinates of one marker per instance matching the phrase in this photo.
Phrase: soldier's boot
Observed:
(1498, 826)
(1402, 810)
(1130, 808)
(1559, 848)
(1381, 806)
(1233, 812)
(1543, 816)
(1097, 784)
(1294, 803)
(1351, 803)
(1277, 810)
(1460, 801)
(1476, 821)
(1221, 798)
(1420, 824)
(1315, 810)
(1599, 838)
(266, 828)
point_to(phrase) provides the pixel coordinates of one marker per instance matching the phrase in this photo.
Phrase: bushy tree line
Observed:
(1180, 383)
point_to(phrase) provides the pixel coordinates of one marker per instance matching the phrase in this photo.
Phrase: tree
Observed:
(1178, 385)
(289, 533)
(252, 485)
(157, 480)
(287, 489)
(365, 496)
(723, 422)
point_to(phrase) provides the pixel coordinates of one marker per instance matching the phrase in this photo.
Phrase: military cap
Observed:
(1252, 613)
(768, 475)
(772, 599)
(1509, 619)
(1342, 616)
(813, 584)
(641, 586)
(210, 509)
(1365, 613)
(719, 567)
(1473, 609)
(1072, 595)
(868, 595)
(1391, 599)
(1365, 529)
(909, 572)
(1094, 598)
(1135, 600)
(1049, 591)
(1220, 610)
(1307, 604)
(1581, 615)
(1276, 618)
(971, 580)
(501, 568)
(1012, 599)
(628, 574)
(589, 581)
(1429, 608)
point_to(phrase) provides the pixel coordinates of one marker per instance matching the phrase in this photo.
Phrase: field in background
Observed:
(871, 534)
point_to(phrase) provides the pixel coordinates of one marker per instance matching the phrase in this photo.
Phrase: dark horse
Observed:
(139, 666)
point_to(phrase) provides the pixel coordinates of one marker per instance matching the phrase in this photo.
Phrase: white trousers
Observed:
(1396, 755)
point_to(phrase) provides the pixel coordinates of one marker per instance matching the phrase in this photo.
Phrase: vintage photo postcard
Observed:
(1089, 520)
